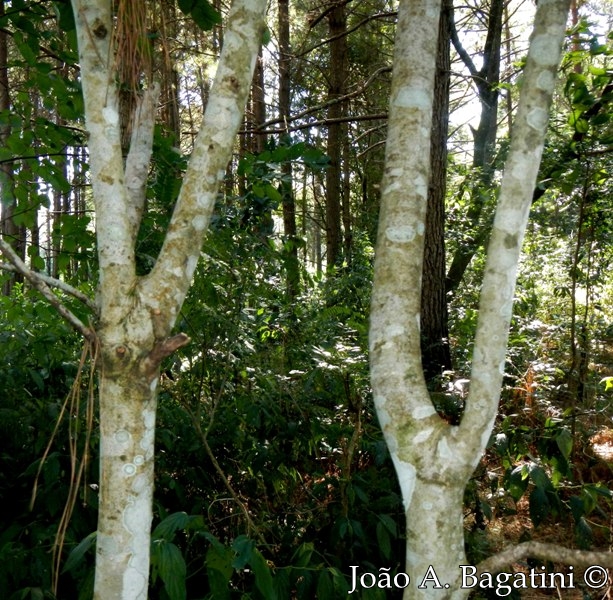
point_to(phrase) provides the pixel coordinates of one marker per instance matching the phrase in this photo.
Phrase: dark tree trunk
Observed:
(258, 106)
(290, 252)
(436, 356)
(337, 22)
(8, 228)
(486, 80)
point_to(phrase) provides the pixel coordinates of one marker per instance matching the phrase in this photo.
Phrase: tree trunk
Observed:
(258, 103)
(337, 21)
(127, 428)
(434, 460)
(292, 265)
(486, 81)
(136, 314)
(436, 355)
(8, 229)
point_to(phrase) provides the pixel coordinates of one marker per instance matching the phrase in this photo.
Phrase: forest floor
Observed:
(505, 529)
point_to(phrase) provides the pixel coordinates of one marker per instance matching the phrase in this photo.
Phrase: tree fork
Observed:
(434, 460)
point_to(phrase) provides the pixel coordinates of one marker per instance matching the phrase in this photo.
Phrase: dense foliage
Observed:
(272, 475)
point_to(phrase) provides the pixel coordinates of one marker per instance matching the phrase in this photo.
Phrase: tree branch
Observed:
(326, 104)
(39, 284)
(325, 123)
(139, 156)
(543, 551)
(162, 349)
(347, 32)
(169, 280)
(511, 218)
(455, 40)
(56, 283)
(116, 261)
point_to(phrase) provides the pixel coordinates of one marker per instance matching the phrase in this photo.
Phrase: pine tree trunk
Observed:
(436, 354)
(292, 265)
(337, 72)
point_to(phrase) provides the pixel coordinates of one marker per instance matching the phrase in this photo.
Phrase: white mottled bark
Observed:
(433, 459)
(136, 315)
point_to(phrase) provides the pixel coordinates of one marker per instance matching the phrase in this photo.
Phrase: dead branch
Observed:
(544, 551)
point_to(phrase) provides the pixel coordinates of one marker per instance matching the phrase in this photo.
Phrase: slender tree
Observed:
(486, 80)
(434, 459)
(134, 316)
(8, 228)
(337, 25)
(436, 354)
(290, 229)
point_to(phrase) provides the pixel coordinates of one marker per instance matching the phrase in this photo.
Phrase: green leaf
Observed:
(583, 534)
(263, 575)
(219, 558)
(540, 478)
(78, 552)
(243, 547)
(219, 569)
(539, 505)
(167, 528)
(516, 483)
(38, 263)
(302, 556)
(564, 439)
(170, 565)
(608, 383)
(266, 37)
(25, 49)
(37, 379)
(325, 586)
(203, 13)
(383, 540)
(577, 507)
(64, 16)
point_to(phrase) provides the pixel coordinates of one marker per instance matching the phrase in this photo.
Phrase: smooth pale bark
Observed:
(433, 459)
(136, 314)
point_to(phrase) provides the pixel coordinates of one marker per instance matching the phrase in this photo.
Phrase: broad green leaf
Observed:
(564, 439)
(243, 547)
(540, 478)
(583, 534)
(78, 552)
(302, 556)
(203, 13)
(170, 565)
(383, 541)
(325, 586)
(539, 505)
(516, 483)
(263, 575)
(167, 528)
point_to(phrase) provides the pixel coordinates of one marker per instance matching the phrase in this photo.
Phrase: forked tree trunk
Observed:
(433, 459)
(136, 314)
